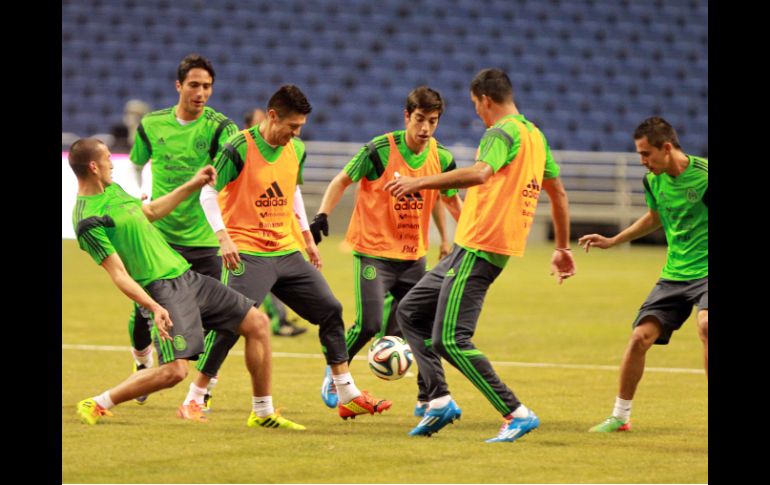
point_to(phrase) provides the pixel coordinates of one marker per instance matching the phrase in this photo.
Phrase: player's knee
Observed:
(255, 325)
(335, 307)
(440, 347)
(642, 338)
(331, 312)
(703, 326)
(369, 328)
(403, 313)
(174, 372)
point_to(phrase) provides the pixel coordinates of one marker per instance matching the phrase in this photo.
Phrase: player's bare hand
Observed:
(402, 185)
(562, 265)
(444, 249)
(162, 321)
(230, 256)
(206, 175)
(594, 240)
(314, 255)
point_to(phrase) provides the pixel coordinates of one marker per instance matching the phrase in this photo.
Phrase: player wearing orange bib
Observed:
(389, 235)
(257, 175)
(439, 315)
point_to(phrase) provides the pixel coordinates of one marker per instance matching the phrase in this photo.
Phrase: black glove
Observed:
(319, 224)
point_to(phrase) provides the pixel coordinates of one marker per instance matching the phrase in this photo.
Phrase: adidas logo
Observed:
(161, 141)
(409, 201)
(532, 191)
(272, 197)
(451, 272)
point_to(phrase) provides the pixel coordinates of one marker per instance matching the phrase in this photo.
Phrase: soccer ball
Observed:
(390, 357)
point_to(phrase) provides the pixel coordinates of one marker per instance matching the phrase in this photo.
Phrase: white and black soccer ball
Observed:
(390, 358)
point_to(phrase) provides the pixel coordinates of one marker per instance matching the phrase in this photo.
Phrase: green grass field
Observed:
(527, 318)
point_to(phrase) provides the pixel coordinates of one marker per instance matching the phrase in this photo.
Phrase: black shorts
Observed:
(194, 302)
(671, 303)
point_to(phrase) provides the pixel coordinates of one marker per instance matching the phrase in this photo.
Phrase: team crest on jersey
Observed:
(180, 343)
(369, 272)
(692, 195)
(201, 144)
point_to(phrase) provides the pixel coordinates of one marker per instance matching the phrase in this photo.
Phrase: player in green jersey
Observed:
(115, 230)
(676, 192)
(180, 140)
(273, 306)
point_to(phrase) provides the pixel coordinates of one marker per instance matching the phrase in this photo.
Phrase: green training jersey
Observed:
(498, 147)
(362, 164)
(178, 151)
(113, 221)
(231, 158)
(682, 204)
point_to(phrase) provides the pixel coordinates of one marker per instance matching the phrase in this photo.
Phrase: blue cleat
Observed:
(329, 390)
(420, 409)
(516, 428)
(435, 419)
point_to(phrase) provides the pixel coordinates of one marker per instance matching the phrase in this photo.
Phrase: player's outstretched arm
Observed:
(440, 220)
(331, 198)
(117, 271)
(162, 206)
(476, 174)
(649, 222)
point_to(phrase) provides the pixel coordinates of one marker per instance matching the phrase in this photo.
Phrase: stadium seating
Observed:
(587, 70)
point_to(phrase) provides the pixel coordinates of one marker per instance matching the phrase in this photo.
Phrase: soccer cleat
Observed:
(610, 425)
(206, 408)
(420, 409)
(363, 404)
(140, 399)
(90, 412)
(329, 390)
(437, 418)
(274, 420)
(191, 411)
(515, 428)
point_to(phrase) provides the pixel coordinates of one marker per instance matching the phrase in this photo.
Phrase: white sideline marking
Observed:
(289, 355)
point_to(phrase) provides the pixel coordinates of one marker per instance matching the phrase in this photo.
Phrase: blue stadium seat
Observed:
(365, 54)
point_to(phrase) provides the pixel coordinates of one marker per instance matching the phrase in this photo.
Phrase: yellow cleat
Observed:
(274, 420)
(90, 412)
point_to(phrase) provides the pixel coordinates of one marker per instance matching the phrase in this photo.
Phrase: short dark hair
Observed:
(493, 83)
(426, 99)
(81, 153)
(658, 131)
(289, 99)
(192, 61)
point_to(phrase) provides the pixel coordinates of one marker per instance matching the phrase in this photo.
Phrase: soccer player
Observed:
(439, 315)
(115, 230)
(254, 217)
(389, 236)
(180, 140)
(676, 192)
(274, 307)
